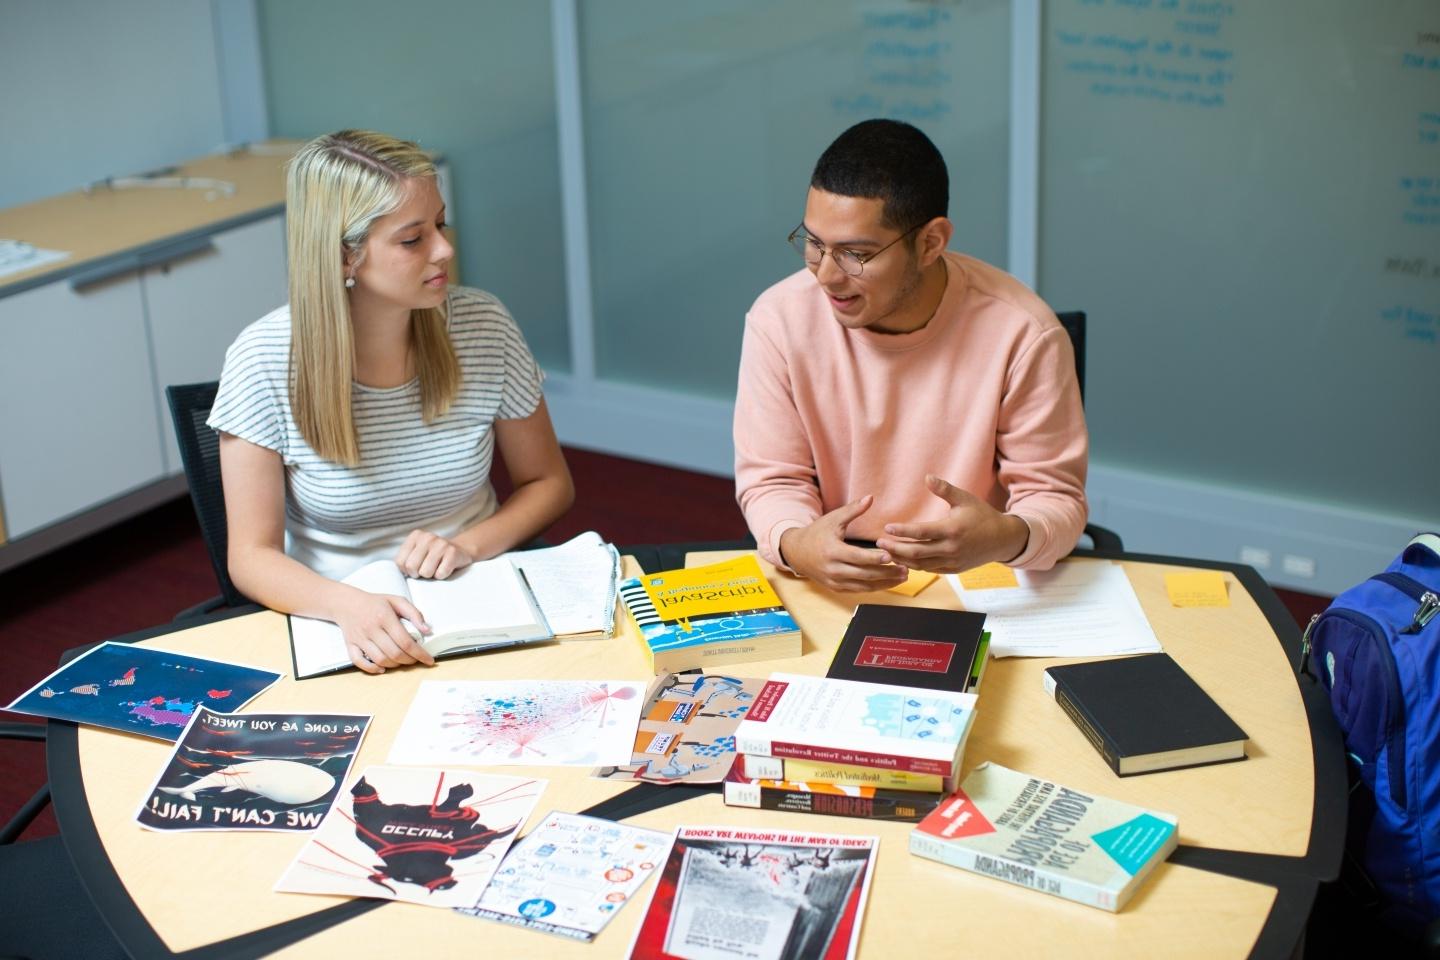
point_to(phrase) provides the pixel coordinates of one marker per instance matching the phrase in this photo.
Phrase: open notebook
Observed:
(484, 606)
(575, 585)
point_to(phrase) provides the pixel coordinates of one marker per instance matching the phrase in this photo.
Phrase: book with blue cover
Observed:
(141, 690)
(709, 616)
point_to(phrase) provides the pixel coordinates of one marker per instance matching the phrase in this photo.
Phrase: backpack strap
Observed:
(1424, 543)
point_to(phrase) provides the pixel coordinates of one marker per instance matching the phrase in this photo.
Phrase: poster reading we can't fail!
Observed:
(259, 771)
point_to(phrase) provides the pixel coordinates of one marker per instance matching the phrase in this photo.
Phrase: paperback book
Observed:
(726, 893)
(1145, 714)
(1036, 833)
(703, 617)
(779, 768)
(687, 729)
(858, 724)
(433, 837)
(253, 771)
(570, 875)
(142, 690)
(793, 796)
(926, 647)
(485, 606)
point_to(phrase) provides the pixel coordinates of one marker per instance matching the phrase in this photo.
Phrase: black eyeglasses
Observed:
(851, 264)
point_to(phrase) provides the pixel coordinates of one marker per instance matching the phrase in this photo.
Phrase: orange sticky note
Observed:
(1197, 588)
(917, 581)
(989, 577)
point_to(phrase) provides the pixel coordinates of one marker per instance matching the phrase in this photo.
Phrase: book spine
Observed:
(1106, 749)
(756, 746)
(762, 768)
(902, 808)
(1012, 871)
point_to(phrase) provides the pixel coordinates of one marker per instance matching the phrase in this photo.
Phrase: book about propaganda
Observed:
(727, 893)
(858, 724)
(253, 771)
(798, 796)
(927, 647)
(1144, 714)
(842, 775)
(138, 689)
(485, 606)
(1038, 834)
(710, 616)
(687, 727)
(433, 837)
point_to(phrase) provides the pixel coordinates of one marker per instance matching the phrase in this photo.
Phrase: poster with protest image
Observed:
(254, 771)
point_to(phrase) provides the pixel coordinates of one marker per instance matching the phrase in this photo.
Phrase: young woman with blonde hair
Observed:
(359, 421)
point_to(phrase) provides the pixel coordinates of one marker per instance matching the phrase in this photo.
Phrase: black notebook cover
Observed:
(1143, 707)
(909, 647)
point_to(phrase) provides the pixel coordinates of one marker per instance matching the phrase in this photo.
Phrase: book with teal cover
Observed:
(709, 616)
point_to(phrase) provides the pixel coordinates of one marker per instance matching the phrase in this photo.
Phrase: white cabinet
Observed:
(78, 420)
(84, 364)
(198, 303)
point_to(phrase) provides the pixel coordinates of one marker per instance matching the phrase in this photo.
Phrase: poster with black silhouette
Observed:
(422, 835)
(141, 690)
(744, 894)
(253, 771)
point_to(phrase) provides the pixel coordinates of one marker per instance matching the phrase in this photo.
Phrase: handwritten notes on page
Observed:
(1075, 610)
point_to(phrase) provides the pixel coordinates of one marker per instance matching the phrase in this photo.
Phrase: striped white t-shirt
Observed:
(411, 475)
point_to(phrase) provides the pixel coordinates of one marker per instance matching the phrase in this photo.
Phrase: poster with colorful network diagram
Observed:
(520, 722)
(141, 690)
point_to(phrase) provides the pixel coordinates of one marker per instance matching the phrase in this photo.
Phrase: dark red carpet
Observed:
(142, 572)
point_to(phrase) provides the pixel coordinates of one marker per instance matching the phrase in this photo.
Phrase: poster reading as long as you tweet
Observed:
(141, 690)
(253, 771)
(427, 836)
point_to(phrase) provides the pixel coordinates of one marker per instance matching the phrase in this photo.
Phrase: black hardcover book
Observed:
(1145, 714)
(913, 647)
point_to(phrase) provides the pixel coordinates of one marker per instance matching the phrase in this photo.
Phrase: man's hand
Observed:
(970, 534)
(820, 553)
(430, 556)
(374, 636)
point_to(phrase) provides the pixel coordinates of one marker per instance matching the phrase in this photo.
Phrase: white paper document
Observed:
(1074, 610)
(587, 723)
(16, 255)
(574, 584)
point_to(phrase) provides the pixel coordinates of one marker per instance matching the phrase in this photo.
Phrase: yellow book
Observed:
(839, 774)
(708, 616)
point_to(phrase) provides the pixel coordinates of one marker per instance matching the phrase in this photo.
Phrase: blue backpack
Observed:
(1376, 649)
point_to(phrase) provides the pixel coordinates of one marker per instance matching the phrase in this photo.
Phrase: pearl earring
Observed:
(349, 282)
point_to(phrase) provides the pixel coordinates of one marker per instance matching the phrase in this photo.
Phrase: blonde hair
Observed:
(337, 186)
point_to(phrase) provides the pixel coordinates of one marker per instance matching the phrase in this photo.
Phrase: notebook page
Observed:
(574, 583)
(483, 596)
(319, 645)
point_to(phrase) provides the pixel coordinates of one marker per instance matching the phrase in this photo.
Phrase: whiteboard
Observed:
(1245, 196)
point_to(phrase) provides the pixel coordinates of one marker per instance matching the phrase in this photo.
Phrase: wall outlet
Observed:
(1298, 566)
(1257, 557)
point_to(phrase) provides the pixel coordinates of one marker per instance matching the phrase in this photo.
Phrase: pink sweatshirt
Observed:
(983, 396)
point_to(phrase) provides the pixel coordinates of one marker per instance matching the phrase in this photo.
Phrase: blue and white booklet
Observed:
(141, 690)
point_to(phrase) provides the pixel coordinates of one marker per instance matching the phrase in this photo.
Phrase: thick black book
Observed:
(1145, 714)
(913, 647)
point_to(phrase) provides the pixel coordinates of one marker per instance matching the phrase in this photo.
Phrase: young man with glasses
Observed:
(899, 393)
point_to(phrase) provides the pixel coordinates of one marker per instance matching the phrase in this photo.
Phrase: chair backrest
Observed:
(190, 405)
(1074, 324)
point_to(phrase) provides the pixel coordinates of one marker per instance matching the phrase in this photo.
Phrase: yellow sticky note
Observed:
(1198, 588)
(989, 577)
(917, 581)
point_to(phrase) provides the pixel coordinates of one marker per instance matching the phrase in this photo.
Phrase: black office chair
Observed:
(44, 910)
(1101, 538)
(190, 405)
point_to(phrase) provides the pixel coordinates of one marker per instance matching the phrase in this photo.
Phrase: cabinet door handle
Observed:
(105, 271)
(179, 250)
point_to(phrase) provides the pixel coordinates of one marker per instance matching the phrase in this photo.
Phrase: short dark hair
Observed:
(887, 160)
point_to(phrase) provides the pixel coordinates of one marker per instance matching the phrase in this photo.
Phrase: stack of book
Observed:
(849, 748)
(880, 736)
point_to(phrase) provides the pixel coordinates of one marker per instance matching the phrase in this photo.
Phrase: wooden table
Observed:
(1256, 837)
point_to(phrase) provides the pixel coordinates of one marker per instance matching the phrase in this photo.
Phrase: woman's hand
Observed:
(374, 636)
(430, 556)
